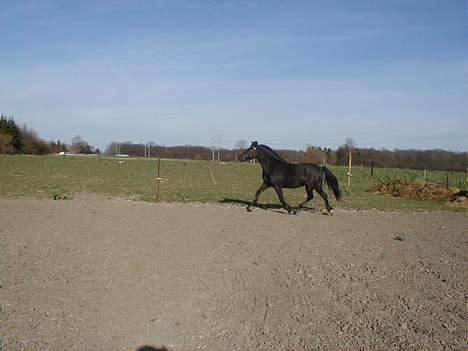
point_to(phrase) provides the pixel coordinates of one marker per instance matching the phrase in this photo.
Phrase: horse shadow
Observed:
(151, 348)
(266, 207)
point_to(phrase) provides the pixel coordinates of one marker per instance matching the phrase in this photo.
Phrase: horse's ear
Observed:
(254, 143)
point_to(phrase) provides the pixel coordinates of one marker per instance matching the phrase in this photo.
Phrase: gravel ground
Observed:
(106, 274)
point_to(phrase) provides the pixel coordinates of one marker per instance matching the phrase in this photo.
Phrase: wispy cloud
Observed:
(178, 72)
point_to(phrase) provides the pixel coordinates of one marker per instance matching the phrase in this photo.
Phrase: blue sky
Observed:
(389, 74)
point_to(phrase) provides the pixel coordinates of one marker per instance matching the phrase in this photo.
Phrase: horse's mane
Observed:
(272, 153)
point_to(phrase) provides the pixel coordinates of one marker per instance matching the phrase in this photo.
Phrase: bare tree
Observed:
(349, 144)
(239, 146)
(81, 146)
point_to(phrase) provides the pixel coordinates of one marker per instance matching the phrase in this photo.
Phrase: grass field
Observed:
(200, 181)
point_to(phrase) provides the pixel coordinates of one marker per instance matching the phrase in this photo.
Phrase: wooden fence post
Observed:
(158, 179)
(349, 169)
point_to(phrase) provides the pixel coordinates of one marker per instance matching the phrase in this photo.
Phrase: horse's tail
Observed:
(332, 182)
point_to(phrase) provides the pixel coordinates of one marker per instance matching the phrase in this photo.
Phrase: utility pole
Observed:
(213, 148)
(216, 146)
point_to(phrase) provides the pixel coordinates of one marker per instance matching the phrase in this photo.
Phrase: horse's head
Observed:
(250, 153)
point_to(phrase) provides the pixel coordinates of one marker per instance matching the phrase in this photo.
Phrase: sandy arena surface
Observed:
(107, 274)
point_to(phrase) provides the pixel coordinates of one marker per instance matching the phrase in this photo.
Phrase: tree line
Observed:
(23, 140)
(415, 159)
(15, 139)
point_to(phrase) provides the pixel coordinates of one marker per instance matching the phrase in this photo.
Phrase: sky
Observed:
(388, 74)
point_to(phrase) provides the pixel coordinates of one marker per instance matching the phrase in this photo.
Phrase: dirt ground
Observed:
(107, 274)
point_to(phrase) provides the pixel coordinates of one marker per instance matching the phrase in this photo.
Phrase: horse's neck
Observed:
(268, 163)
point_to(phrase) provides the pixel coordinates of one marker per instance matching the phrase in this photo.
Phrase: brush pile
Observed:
(421, 190)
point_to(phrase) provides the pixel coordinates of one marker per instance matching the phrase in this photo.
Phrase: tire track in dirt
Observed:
(190, 276)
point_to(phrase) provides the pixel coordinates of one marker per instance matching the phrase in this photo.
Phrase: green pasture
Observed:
(59, 177)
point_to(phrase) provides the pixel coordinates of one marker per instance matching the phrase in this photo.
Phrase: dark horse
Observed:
(279, 173)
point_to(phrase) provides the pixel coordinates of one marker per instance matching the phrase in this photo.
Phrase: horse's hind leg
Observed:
(279, 192)
(260, 190)
(324, 196)
(309, 196)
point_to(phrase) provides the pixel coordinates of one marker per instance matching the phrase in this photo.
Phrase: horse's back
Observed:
(312, 166)
(314, 173)
(291, 175)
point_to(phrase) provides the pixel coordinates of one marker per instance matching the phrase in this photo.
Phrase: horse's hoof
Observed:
(249, 209)
(331, 212)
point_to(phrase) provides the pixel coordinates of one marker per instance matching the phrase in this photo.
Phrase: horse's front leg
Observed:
(260, 190)
(279, 192)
